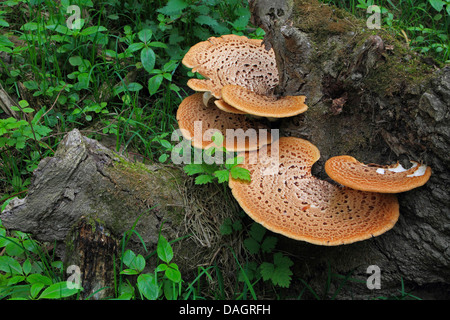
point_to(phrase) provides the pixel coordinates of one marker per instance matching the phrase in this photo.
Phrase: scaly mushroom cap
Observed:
(263, 105)
(350, 172)
(192, 114)
(292, 202)
(232, 59)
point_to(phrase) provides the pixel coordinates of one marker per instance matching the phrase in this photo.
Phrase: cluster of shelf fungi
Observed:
(235, 90)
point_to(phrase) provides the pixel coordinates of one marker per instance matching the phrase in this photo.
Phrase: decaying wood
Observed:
(86, 184)
(91, 248)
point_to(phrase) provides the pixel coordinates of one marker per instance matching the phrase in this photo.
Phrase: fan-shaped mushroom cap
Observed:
(263, 105)
(296, 204)
(349, 172)
(193, 115)
(232, 59)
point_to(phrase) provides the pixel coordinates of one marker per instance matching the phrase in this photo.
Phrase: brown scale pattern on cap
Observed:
(193, 109)
(263, 105)
(232, 59)
(294, 203)
(349, 172)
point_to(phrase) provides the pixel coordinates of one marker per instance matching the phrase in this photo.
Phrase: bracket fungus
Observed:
(349, 172)
(240, 65)
(232, 59)
(261, 105)
(198, 123)
(292, 202)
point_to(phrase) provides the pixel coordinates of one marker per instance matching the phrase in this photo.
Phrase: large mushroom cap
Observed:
(292, 202)
(232, 59)
(263, 105)
(349, 172)
(243, 133)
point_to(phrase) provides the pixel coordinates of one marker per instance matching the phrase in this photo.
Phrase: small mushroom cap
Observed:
(292, 202)
(349, 172)
(193, 115)
(263, 105)
(232, 59)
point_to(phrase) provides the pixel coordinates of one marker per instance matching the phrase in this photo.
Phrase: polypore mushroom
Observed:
(349, 172)
(262, 105)
(198, 123)
(292, 202)
(232, 59)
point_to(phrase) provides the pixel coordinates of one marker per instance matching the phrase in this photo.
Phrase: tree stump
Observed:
(370, 97)
(86, 197)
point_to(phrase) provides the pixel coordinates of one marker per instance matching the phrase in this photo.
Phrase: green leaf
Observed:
(173, 273)
(282, 277)
(35, 289)
(267, 269)
(135, 47)
(91, 30)
(437, 4)
(268, 244)
(162, 267)
(130, 272)
(162, 158)
(257, 232)
(134, 86)
(36, 278)
(250, 270)
(148, 286)
(145, 35)
(57, 291)
(252, 245)
(206, 20)
(240, 173)
(222, 175)
(10, 265)
(193, 168)
(164, 250)
(280, 260)
(226, 228)
(13, 248)
(148, 59)
(15, 279)
(173, 7)
(138, 263)
(204, 179)
(128, 257)
(75, 61)
(154, 83)
(157, 44)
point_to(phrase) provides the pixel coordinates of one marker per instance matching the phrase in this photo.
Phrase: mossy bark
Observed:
(87, 194)
(370, 97)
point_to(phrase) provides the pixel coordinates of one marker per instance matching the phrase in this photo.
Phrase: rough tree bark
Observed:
(86, 197)
(369, 96)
